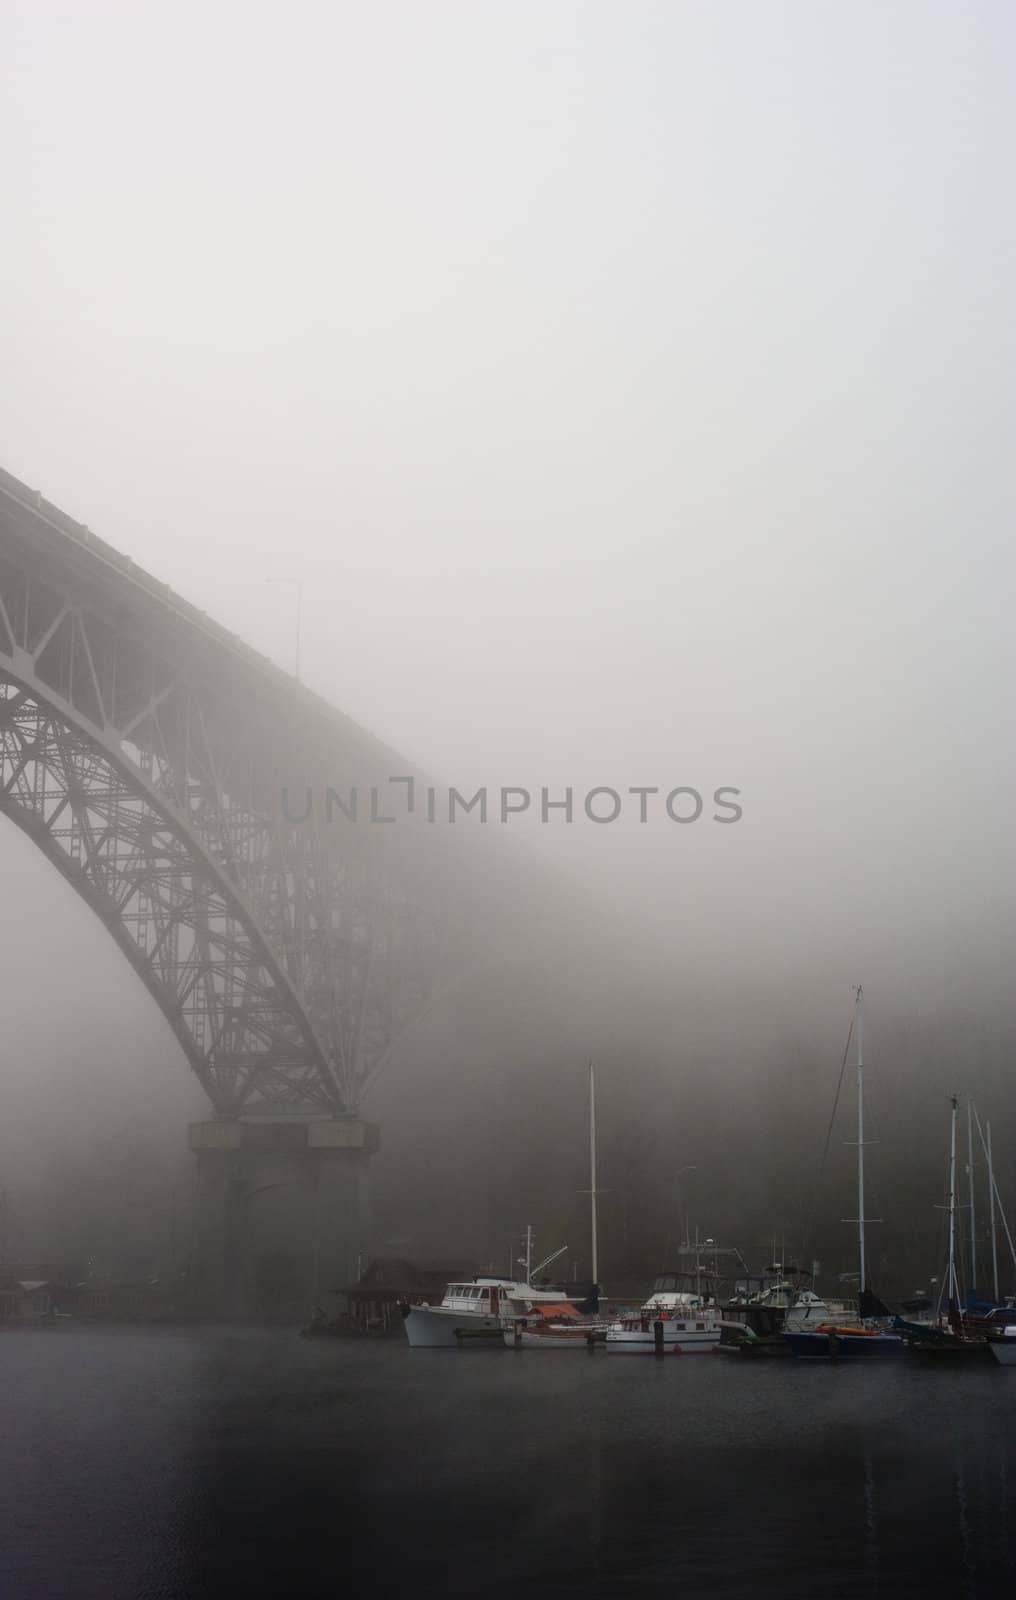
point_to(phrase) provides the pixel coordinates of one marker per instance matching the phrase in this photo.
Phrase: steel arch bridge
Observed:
(145, 750)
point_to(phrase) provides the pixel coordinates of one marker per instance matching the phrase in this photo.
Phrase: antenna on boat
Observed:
(996, 1198)
(860, 1132)
(970, 1192)
(991, 1207)
(592, 1172)
(860, 1219)
(953, 1289)
(593, 1192)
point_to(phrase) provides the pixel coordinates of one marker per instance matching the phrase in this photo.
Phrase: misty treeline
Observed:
(714, 1105)
(710, 1129)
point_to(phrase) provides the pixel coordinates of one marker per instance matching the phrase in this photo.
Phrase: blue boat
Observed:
(845, 1344)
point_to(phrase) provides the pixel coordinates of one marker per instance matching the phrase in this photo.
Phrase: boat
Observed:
(566, 1325)
(832, 1341)
(754, 1324)
(672, 1321)
(479, 1309)
(1003, 1346)
(867, 1337)
(696, 1328)
(956, 1335)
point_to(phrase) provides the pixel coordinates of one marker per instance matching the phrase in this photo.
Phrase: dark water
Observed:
(174, 1463)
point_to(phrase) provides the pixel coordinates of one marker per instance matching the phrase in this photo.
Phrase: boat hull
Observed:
(772, 1346)
(845, 1346)
(947, 1350)
(1004, 1351)
(434, 1328)
(550, 1338)
(642, 1341)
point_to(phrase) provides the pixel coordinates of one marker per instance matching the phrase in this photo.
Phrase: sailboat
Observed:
(567, 1325)
(866, 1339)
(951, 1336)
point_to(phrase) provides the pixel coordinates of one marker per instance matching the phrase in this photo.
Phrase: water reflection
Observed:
(175, 1464)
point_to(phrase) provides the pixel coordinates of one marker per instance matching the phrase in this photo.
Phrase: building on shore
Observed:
(374, 1301)
(29, 1299)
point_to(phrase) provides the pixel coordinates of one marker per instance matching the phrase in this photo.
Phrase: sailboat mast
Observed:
(970, 1196)
(951, 1275)
(991, 1207)
(592, 1171)
(860, 1138)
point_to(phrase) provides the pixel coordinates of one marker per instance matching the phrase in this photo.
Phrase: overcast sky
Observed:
(629, 385)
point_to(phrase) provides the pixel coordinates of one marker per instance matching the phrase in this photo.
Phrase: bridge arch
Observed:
(145, 749)
(171, 908)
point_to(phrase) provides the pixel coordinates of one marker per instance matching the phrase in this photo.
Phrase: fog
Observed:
(618, 396)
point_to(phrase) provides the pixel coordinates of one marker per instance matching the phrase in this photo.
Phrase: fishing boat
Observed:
(865, 1337)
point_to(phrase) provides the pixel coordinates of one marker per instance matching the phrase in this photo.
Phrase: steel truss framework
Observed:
(145, 752)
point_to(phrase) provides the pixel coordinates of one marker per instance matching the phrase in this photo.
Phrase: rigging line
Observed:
(876, 1192)
(998, 1197)
(828, 1140)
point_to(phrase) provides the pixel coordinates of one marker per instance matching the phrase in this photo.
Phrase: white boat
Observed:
(677, 1319)
(471, 1310)
(808, 1309)
(1003, 1346)
(487, 1309)
(685, 1324)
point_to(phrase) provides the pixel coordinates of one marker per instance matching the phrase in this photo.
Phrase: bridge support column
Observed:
(282, 1214)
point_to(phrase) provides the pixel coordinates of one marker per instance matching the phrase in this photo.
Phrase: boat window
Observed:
(700, 1324)
(681, 1327)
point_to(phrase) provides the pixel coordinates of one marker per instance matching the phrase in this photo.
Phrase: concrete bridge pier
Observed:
(282, 1214)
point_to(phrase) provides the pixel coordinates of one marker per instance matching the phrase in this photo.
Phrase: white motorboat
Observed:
(1003, 1346)
(678, 1320)
(487, 1309)
(807, 1310)
(471, 1310)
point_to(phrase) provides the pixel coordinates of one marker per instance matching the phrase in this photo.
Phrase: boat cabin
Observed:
(680, 1292)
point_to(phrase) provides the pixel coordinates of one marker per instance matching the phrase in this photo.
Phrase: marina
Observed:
(686, 1312)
